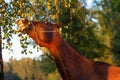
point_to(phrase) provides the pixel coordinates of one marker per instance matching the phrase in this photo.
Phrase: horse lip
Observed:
(22, 30)
(19, 30)
(17, 21)
(21, 26)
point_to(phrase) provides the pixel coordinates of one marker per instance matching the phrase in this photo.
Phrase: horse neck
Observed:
(71, 64)
(68, 60)
(59, 47)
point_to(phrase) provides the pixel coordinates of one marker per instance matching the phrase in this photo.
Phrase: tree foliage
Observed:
(107, 14)
(79, 27)
(94, 32)
(115, 22)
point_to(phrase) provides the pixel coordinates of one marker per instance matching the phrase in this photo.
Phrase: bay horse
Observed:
(70, 63)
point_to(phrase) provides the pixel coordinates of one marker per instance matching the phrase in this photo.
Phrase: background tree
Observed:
(103, 17)
(107, 14)
(116, 38)
(1, 60)
(24, 69)
(79, 30)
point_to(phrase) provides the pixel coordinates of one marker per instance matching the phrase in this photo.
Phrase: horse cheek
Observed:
(48, 37)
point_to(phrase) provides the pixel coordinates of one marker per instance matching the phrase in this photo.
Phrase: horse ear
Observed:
(58, 25)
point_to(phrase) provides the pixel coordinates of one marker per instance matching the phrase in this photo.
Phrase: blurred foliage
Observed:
(48, 65)
(107, 14)
(28, 69)
(81, 31)
(115, 23)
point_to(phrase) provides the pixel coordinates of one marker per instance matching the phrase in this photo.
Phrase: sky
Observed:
(89, 3)
(16, 54)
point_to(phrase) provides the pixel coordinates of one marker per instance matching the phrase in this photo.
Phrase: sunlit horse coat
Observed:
(71, 64)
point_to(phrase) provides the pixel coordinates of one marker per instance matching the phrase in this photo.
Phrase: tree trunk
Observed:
(57, 8)
(1, 60)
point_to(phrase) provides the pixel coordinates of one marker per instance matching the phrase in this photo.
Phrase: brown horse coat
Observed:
(71, 64)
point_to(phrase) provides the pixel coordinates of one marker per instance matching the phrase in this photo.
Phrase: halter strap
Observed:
(31, 25)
